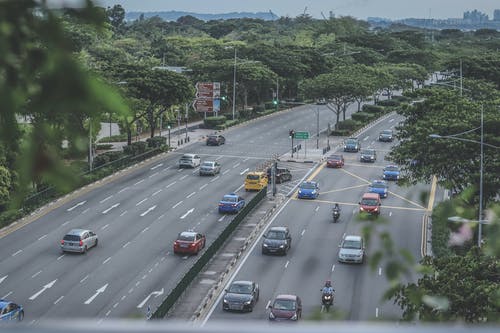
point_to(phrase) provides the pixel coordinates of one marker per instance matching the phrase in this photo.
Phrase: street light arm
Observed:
(437, 136)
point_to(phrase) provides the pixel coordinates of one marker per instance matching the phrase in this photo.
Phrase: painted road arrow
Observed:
(97, 292)
(187, 213)
(149, 209)
(110, 208)
(78, 204)
(47, 286)
(2, 279)
(154, 293)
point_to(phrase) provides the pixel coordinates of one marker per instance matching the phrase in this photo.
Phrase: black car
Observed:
(277, 240)
(352, 145)
(241, 296)
(215, 140)
(282, 175)
(368, 155)
(385, 136)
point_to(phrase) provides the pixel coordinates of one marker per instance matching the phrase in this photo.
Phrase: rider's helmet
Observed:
(328, 283)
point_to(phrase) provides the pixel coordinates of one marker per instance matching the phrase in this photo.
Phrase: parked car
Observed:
(352, 145)
(352, 249)
(277, 240)
(209, 168)
(189, 161)
(308, 190)
(391, 172)
(241, 296)
(215, 140)
(370, 203)
(286, 307)
(231, 203)
(386, 136)
(281, 175)
(189, 242)
(10, 311)
(380, 187)
(368, 155)
(255, 181)
(335, 161)
(78, 240)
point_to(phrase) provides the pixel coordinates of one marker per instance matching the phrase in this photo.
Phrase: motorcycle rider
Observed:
(336, 212)
(328, 289)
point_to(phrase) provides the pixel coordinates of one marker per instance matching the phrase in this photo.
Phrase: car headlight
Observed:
(225, 301)
(282, 246)
(313, 192)
(361, 209)
(264, 245)
(345, 146)
(247, 302)
(271, 315)
(294, 317)
(300, 192)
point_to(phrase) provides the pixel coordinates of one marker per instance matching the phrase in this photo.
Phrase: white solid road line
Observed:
(222, 218)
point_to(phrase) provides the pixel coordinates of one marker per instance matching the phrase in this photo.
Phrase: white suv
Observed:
(189, 161)
(352, 250)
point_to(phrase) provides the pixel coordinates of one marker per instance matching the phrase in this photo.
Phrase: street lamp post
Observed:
(234, 83)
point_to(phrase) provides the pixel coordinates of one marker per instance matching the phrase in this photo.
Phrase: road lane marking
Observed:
(333, 268)
(170, 184)
(225, 172)
(156, 192)
(85, 278)
(131, 290)
(303, 232)
(123, 297)
(218, 158)
(244, 171)
(47, 286)
(286, 265)
(236, 165)
(177, 204)
(65, 223)
(203, 186)
(166, 168)
(78, 204)
(16, 253)
(239, 188)
(215, 179)
(183, 177)
(391, 120)
(390, 213)
(144, 230)
(316, 209)
(246, 159)
(36, 274)
(110, 208)
(3, 278)
(123, 189)
(366, 138)
(376, 312)
(126, 244)
(156, 166)
(60, 257)
(137, 204)
(154, 293)
(125, 212)
(7, 295)
(42, 237)
(137, 283)
(380, 271)
(105, 199)
(85, 211)
(105, 261)
(58, 300)
(104, 226)
(115, 305)
(140, 181)
(149, 210)
(187, 213)
(154, 174)
(222, 218)
(190, 195)
(98, 291)
(108, 313)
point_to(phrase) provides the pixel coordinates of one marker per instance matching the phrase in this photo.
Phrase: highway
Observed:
(315, 239)
(136, 217)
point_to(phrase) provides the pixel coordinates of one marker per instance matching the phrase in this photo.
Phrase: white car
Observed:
(352, 250)
(189, 161)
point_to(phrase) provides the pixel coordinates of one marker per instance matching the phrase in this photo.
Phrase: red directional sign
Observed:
(207, 97)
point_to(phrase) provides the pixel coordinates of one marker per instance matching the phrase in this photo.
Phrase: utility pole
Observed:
(187, 115)
(234, 83)
(90, 145)
(480, 229)
(317, 128)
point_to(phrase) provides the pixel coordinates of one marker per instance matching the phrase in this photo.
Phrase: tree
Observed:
(116, 15)
(454, 288)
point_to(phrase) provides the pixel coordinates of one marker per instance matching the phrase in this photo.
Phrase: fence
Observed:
(191, 274)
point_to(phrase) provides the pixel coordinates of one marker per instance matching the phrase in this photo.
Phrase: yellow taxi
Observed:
(255, 181)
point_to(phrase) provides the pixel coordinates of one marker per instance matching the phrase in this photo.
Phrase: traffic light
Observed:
(275, 101)
(223, 98)
(291, 133)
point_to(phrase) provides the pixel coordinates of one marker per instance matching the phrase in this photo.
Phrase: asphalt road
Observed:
(315, 239)
(136, 217)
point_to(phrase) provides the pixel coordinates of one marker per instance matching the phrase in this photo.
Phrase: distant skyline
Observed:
(361, 9)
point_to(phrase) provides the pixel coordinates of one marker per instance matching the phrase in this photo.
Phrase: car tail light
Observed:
(62, 241)
(81, 243)
(192, 244)
(234, 205)
(220, 205)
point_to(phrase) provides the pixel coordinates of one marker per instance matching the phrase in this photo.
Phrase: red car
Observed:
(285, 307)
(335, 161)
(189, 242)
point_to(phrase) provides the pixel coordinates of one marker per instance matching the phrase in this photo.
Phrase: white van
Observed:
(189, 161)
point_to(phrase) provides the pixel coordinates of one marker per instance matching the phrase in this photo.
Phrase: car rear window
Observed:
(189, 238)
(252, 177)
(72, 238)
(230, 199)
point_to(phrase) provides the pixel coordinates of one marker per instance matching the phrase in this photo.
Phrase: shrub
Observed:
(135, 148)
(114, 138)
(259, 108)
(104, 146)
(342, 132)
(349, 124)
(363, 117)
(401, 99)
(388, 102)
(372, 108)
(100, 160)
(212, 122)
(156, 141)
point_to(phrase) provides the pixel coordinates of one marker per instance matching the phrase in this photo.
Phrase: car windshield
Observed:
(214, 137)
(351, 244)
(308, 186)
(389, 132)
(186, 237)
(208, 164)
(72, 238)
(230, 199)
(240, 288)
(284, 304)
(369, 202)
(378, 185)
(253, 177)
(391, 168)
(351, 141)
(367, 152)
(272, 234)
(334, 157)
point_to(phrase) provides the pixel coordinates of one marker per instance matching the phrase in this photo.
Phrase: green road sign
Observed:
(301, 135)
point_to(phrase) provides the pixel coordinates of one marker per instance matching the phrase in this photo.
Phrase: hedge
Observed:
(349, 124)
(107, 157)
(363, 117)
(212, 122)
(135, 148)
(389, 102)
(370, 108)
(156, 141)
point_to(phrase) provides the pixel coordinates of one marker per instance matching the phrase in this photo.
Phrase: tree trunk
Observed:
(344, 108)
(129, 136)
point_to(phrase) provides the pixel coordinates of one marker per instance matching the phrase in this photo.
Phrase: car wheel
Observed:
(85, 249)
(20, 317)
(96, 242)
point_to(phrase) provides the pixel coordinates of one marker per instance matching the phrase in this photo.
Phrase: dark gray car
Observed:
(78, 240)
(277, 240)
(241, 296)
(368, 155)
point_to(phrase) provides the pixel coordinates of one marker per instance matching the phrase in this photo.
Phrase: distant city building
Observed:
(475, 16)
(496, 15)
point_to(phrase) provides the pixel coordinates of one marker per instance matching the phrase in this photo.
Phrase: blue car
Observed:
(391, 172)
(231, 203)
(308, 190)
(380, 187)
(10, 311)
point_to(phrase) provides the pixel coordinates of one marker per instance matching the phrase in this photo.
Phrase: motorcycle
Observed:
(326, 301)
(336, 215)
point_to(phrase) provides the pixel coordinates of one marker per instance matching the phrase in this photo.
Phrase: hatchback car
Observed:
(335, 161)
(215, 140)
(189, 161)
(380, 187)
(352, 145)
(255, 181)
(308, 190)
(285, 307)
(78, 240)
(370, 203)
(209, 168)
(189, 242)
(391, 172)
(352, 249)
(10, 311)
(231, 203)
(282, 175)
(368, 155)
(241, 296)
(277, 240)
(385, 136)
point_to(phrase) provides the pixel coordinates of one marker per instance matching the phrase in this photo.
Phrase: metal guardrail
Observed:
(191, 274)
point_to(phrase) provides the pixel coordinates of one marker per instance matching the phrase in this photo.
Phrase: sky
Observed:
(361, 9)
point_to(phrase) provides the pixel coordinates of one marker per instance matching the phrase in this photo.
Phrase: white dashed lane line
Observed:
(140, 202)
(244, 171)
(123, 189)
(177, 204)
(105, 199)
(154, 174)
(225, 172)
(183, 177)
(215, 179)
(203, 186)
(190, 195)
(140, 181)
(156, 193)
